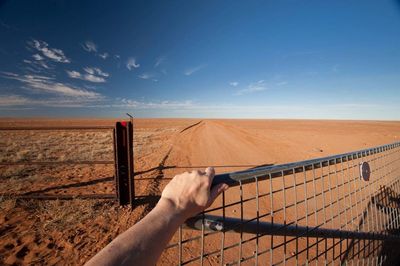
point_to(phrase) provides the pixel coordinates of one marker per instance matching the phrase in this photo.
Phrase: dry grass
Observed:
(63, 215)
(55, 146)
(7, 203)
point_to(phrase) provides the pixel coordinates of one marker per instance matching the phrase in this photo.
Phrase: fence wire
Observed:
(312, 212)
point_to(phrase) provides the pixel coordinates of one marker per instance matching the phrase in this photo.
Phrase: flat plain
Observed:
(72, 231)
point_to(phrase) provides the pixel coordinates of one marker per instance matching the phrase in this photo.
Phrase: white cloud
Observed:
(54, 54)
(36, 65)
(253, 87)
(12, 100)
(94, 74)
(74, 74)
(192, 70)
(146, 76)
(60, 101)
(96, 70)
(104, 56)
(93, 78)
(117, 56)
(159, 61)
(128, 103)
(234, 83)
(131, 63)
(89, 46)
(89, 70)
(282, 83)
(49, 85)
(38, 57)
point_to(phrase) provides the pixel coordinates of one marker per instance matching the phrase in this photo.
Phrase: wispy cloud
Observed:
(131, 64)
(38, 57)
(253, 87)
(104, 55)
(13, 100)
(234, 83)
(96, 70)
(7, 101)
(192, 70)
(159, 61)
(56, 55)
(39, 62)
(281, 83)
(146, 76)
(93, 74)
(89, 46)
(50, 85)
(129, 103)
(74, 74)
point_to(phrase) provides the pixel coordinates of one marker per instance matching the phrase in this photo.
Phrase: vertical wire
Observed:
(356, 190)
(396, 186)
(382, 175)
(371, 194)
(315, 208)
(331, 207)
(350, 193)
(258, 221)
(284, 216)
(306, 205)
(296, 215)
(364, 199)
(392, 210)
(344, 198)
(324, 210)
(272, 220)
(339, 209)
(374, 188)
(367, 191)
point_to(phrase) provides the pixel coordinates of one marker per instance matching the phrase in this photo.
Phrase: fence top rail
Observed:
(58, 128)
(245, 176)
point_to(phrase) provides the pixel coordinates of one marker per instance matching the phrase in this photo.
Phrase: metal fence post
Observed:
(124, 163)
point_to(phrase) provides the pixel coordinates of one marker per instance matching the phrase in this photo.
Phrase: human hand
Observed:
(191, 193)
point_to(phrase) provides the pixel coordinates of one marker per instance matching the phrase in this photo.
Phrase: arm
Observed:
(142, 244)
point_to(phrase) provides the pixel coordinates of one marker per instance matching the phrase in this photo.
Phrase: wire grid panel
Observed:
(310, 212)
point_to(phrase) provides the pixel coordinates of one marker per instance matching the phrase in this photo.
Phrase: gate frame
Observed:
(123, 157)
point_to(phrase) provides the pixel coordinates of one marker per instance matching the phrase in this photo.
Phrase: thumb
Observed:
(215, 191)
(210, 172)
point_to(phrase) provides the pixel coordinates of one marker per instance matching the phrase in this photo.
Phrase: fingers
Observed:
(215, 191)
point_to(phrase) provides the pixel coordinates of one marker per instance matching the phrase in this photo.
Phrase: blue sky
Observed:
(217, 59)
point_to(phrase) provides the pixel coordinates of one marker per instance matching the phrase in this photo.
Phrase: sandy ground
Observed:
(70, 232)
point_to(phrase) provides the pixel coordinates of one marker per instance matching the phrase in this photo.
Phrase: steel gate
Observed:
(338, 209)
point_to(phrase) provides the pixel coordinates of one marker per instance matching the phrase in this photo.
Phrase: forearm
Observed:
(144, 242)
(185, 196)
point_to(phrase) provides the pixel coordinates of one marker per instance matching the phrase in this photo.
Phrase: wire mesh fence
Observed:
(311, 212)
(56, 162)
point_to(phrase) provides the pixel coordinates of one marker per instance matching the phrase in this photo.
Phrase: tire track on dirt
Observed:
(186, 128)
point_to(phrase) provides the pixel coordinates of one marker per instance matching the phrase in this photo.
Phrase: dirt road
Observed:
(240, 144)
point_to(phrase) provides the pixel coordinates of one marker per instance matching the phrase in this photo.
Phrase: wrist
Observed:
(168, 209)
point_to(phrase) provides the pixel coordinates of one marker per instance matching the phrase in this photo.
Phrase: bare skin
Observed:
(185, 196)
